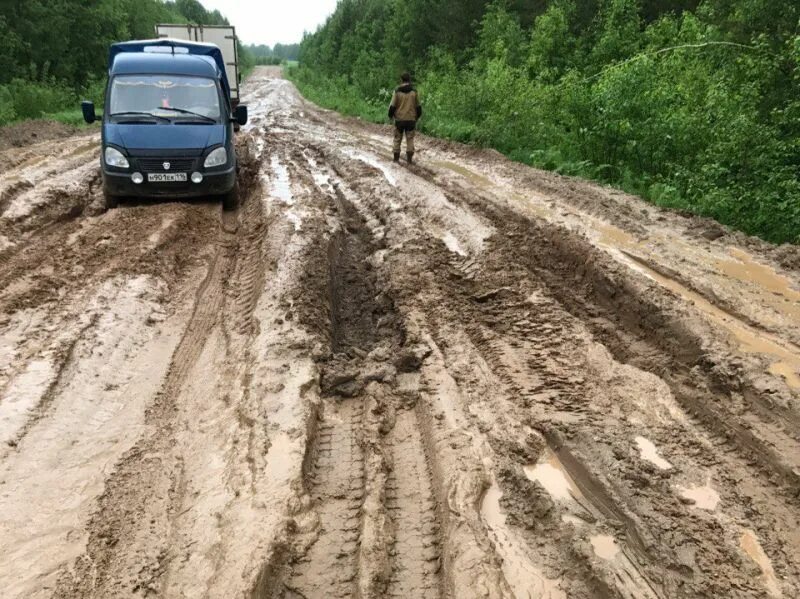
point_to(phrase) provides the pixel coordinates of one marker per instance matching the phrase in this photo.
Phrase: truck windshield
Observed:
(172, 96)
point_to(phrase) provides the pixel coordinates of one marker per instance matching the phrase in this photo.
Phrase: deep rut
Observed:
(329, 568)
(369, 480)
(412, 507)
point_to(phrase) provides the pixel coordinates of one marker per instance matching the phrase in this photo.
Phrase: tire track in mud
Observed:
(337, 487)
(369, 480)
(599, 293)
(63, 370)
(567, 295)
(148, 484)
(142, 486)
(412, 506)
(512, 327)
(449, 370)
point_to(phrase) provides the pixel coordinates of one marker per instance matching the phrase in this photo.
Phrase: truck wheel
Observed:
(112, 201)
(230, 201)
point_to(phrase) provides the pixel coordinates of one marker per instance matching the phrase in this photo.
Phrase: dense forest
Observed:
(692, 104)
(277, 54)
(54, 52)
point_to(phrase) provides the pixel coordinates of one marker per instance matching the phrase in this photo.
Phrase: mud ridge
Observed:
(625, 318)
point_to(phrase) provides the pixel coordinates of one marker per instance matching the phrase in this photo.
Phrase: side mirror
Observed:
(88, 111)
(240, 114)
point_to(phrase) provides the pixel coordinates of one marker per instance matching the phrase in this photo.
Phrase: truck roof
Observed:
(170, 56)
(178, 64)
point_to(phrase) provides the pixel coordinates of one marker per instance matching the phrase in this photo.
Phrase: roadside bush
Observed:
(32, 100)
(7, 112)
(691, 105)
(336, 93)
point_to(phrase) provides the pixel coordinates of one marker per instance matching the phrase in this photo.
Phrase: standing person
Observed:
(406, 110)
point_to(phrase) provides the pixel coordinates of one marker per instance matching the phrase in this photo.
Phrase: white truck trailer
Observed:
(223, 36)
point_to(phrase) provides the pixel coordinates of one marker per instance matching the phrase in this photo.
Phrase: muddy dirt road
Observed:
(462, 378)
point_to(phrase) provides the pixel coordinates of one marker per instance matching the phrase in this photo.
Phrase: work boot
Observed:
(410, 157)
(397, 156)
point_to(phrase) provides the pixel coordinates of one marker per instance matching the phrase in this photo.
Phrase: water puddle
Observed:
(464, 172)
(524, 578)
(32, 161)
(452, 244)
(605, 547)
(371, 161)
(534, 205)
(552, 475)
(750, 545)
(748, 270)
(296, 220)
(615, 237)
(704, 498)
(785, 360)
(84, 148)
(776, 289)
(281, 184)
(321, 179)
(649, 452)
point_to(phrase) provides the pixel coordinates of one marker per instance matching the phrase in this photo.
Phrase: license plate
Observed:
(166, 177)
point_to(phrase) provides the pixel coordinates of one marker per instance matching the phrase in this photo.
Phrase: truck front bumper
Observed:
(213, 183)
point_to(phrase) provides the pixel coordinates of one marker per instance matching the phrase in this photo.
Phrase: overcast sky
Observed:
(273, 21)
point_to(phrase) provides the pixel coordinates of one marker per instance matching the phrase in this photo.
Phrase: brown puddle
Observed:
(785, 359)
(780, 294)
(552, 475)
(32, 161)
(464, 172)
(524, 577)
(750, 545)
(84, 148)
(649, 452)
(615, 237)
(605, 547)
(704, 498)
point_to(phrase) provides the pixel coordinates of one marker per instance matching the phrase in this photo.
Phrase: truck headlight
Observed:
(116, 158)
(217, 158)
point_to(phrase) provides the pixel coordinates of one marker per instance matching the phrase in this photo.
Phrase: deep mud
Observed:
(26, 133)
(463, 378)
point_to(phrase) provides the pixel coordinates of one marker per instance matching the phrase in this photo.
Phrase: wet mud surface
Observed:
(26, 133)
(462, 378)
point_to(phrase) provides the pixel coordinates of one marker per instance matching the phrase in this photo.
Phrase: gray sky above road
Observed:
(273, 21)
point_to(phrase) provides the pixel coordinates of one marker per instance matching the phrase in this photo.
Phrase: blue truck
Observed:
(168, 123)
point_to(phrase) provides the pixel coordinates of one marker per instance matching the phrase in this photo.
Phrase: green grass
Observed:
(335, 94)
(767, 211)
(68, 117)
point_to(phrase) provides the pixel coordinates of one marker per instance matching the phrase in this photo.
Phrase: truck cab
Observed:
(168, 123)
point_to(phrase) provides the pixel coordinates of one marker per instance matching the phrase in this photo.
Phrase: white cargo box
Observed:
(223, 36)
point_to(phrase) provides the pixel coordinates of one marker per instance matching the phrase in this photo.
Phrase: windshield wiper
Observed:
(140, 113)
(189, 112)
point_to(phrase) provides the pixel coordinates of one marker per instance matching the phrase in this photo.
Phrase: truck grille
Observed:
(156, 165)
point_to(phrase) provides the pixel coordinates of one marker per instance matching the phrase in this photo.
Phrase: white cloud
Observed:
(271, 21)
